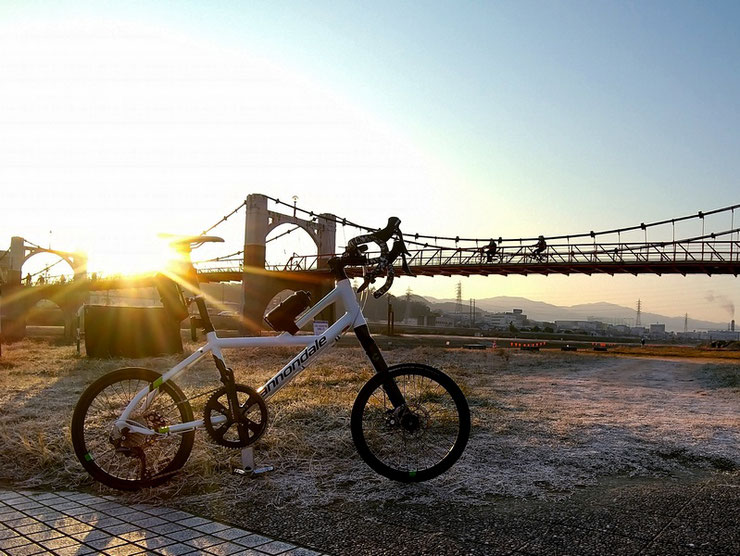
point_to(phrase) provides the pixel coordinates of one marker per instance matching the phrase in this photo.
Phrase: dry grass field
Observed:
(544, 424)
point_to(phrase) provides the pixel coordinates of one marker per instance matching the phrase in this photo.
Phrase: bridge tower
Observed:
(259, 286)
(19, 299)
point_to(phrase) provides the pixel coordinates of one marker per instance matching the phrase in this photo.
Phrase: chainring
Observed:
(230, 432)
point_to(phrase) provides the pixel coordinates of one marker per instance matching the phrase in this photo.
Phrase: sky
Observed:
(119, 121)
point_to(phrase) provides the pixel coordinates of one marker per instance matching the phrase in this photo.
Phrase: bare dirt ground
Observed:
(568, 447)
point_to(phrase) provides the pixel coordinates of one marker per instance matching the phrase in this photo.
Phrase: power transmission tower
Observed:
(638, 321)
(686, 323)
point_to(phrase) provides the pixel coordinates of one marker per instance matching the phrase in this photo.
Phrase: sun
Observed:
(131, 260)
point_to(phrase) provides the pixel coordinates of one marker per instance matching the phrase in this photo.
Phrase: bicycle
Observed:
(134, 427)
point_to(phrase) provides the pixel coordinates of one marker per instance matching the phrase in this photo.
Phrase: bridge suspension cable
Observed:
(477, 241)
(46, 268)
(225, 218)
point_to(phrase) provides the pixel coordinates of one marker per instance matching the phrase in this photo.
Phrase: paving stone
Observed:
(184, 535)
(6, 544)
(177, 515)
(106, 542)
(303, 552)
(147, 521)
(68, 505)
(90, 517)
(76, 528)
(104, 505)
(60, 542)
(83, 512)
(211, 527)
(124, 550)
(19, 522)
(138, 535)
(154, 543)
(86, 536)
(44, 496)
(174, 549)
(77, 550)
(34, 527)
(6, 533)
(228, 548)
(108, 522)
(44, 535)
(166, 528)
(276, 547)
(123, 528)
(66, 522)
(193, 521)
(163, 512)
(252, 540)
(233, 533)
(27, 550)
(204, 541)
(10, 515)
(27, 505)
(122, 511)
(48, 516)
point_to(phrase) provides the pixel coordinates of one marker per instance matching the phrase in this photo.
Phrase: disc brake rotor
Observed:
(235, 431)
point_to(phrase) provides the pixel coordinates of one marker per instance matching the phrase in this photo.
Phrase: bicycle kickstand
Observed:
(248, 465)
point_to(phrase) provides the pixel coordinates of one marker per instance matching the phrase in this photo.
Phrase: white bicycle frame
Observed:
(313, 346)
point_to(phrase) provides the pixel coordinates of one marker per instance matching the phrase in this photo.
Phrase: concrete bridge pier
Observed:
(13, 310)
(259, 285)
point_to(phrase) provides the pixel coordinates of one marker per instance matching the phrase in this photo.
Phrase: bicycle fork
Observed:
(381, 367)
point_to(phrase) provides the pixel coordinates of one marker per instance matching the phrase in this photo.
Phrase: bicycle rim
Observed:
(140, 460)
(426, 438)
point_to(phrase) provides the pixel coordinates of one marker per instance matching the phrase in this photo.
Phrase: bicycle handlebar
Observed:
(354, 255)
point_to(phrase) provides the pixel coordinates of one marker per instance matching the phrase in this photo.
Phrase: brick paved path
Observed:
(67, 523)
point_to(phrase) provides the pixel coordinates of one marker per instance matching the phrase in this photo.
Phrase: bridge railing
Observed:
(712, 250)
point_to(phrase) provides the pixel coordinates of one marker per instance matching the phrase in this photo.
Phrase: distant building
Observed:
(504, 320)
(726, 335)
(622, 329)
(585, 325)
(657, 329)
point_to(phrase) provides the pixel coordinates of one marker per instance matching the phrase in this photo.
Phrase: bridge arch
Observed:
(41, 251)
(287, 244)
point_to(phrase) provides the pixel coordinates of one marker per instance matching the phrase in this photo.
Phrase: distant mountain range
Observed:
(605, 312)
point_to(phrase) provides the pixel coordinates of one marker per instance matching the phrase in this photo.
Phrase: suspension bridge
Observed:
(712, 249)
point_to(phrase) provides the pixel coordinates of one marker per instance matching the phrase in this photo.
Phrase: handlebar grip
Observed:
(385, 287)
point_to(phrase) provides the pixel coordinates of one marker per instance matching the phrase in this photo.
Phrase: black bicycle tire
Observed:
(78, 431)
(453, 454)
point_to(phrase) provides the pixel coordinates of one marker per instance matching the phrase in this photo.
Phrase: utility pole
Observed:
(458, 300)
(407, 313)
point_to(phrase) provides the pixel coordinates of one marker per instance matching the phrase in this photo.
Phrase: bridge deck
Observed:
(688, 257)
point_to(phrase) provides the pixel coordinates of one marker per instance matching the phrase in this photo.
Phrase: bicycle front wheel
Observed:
(419, 440)
(134, 460)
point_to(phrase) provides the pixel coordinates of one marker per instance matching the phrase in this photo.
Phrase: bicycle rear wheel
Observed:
(138, 460)
(421, 439)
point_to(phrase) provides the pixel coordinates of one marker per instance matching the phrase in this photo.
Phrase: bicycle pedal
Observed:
(249, 471)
